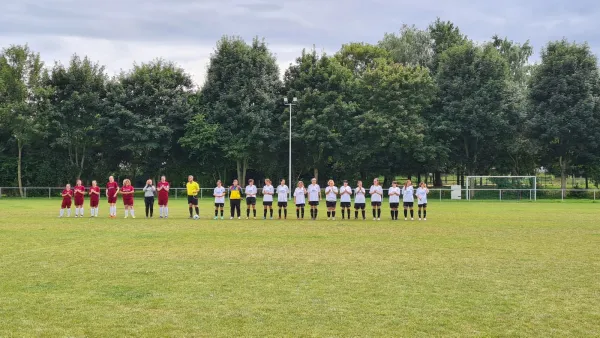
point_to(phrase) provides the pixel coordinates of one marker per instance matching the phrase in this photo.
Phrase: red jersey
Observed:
(163, 194)
(127, 197)
(78, 189)
(93, 196)
(111, 188)
(68, 194)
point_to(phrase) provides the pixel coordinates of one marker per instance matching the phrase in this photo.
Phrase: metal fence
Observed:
(444, 194)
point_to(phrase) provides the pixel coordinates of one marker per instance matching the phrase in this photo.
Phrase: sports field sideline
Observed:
(473, 269)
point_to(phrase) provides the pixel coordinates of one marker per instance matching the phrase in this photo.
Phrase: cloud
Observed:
(118, 32)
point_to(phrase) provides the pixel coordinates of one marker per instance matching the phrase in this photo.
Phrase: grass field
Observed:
(473, 269)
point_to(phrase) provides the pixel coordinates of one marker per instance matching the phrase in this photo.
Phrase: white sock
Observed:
(166, 211)
(126, 212)
(96, 212)
(81, 211)
(131, 212)
(62, 212)
(114, 211)
(69, 212)
(160, 208)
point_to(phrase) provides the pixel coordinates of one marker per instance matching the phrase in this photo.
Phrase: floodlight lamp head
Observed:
(295, 100)
(285, 100)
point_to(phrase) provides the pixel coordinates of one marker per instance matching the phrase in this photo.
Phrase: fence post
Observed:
(176, 193)
(562, 194)
(0, 192)
(594, 194)
(49, 193)
(440, 195)
(201, 190)
(501, 194)
(25, 192)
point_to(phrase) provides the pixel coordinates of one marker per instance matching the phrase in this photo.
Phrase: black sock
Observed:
(348, 213)
(419, 213)
(297, 213)
(364, 214)
(405, 213)
(302, 212)
(197, 211)
(271, 212)
(247, 212)
(333, 213)
(316, 213)
(393, 214)
(216, 212)
(279, 212)
(412, 213)
(355, 214)
(424, 213)
(254, 212)
(343, 214)
(265, 213)
(378, 213)
(221, 212)
(374, 213)
(284, 213)
(191, 212)
(328, 213)
(312, 213)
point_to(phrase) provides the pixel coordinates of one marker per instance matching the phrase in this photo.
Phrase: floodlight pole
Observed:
(285, 102)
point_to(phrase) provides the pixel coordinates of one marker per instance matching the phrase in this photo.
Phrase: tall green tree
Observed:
(240, 94)
(358, 57)
(23, 98)
(78, 104)
(411, 46)
(565, 105)
(445, 35)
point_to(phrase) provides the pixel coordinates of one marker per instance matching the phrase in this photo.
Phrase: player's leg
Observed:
(405, 211)
(247, 208)
(216, 210)
(254, 208)
(147, 206)
(297, 211)
(412, 211)
(425, 211)
(264, 211)
(285, 210)
(131, 211)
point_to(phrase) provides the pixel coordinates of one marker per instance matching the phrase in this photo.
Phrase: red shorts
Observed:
(79, 200)
(163, 200)
(65, 204)
(112, 199)
(94, 202)
(128, 201)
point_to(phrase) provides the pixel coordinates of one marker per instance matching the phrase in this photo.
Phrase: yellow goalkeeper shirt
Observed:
(192, 188)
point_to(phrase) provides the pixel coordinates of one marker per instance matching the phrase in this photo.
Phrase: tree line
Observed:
(419, 102)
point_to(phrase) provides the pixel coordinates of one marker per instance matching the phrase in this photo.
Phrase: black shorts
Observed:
(345, 204)
(424, 205)
(409, 204)
(359, 206)
(301, 205)
(375, 204)
(330, 204)
(251, 200)
(268, 203)
(282, 204)
(192, 200)
(219, 205)
(313, 203)
(394, 205)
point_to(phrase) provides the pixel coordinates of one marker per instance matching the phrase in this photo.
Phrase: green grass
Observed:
(473, 269)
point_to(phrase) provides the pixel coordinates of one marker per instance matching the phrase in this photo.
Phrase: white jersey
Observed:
(345, 197)
(394, 194)
(422, 195)
(300, 194)
(376, 193)
(331, 194)
(408, 194)
(359, 195)
(250, 191)
(282, 193)
(313, 192)
(268, 193)
(219, 194)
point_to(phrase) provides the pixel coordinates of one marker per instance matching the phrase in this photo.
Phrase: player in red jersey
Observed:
(112, 189)
(79, 192)
(163, 196)
(66, 194)
(127, 192)
(94, 199)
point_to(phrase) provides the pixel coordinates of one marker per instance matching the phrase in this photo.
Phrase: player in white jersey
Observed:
(314, 196)
(345, 198)
(394, 192)
(268, 192)
(359, 200)
(250, 192)
(282, 198)
(300, 199)
(376, 192)
(422, 192)
(331, 192)
(219, 194)
(408, 197)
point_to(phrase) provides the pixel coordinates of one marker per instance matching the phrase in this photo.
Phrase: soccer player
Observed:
(345, 198)
(314, 196)
(127, 193)
(219, 194)
(250, 192)
(235, 199)
(394, 192)
(79, 192)
(268, 192)
(192, 188)
(376, 192)
(408, 194)
(66, 194)
(300, 199)
(94, 198)
(359, 200)
(422, 192)
(149, 191)
(163, 197)
(331, 192)
(282, 195)
(112, 189)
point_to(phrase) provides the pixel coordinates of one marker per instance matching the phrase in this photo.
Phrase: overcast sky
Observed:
(118, 32)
